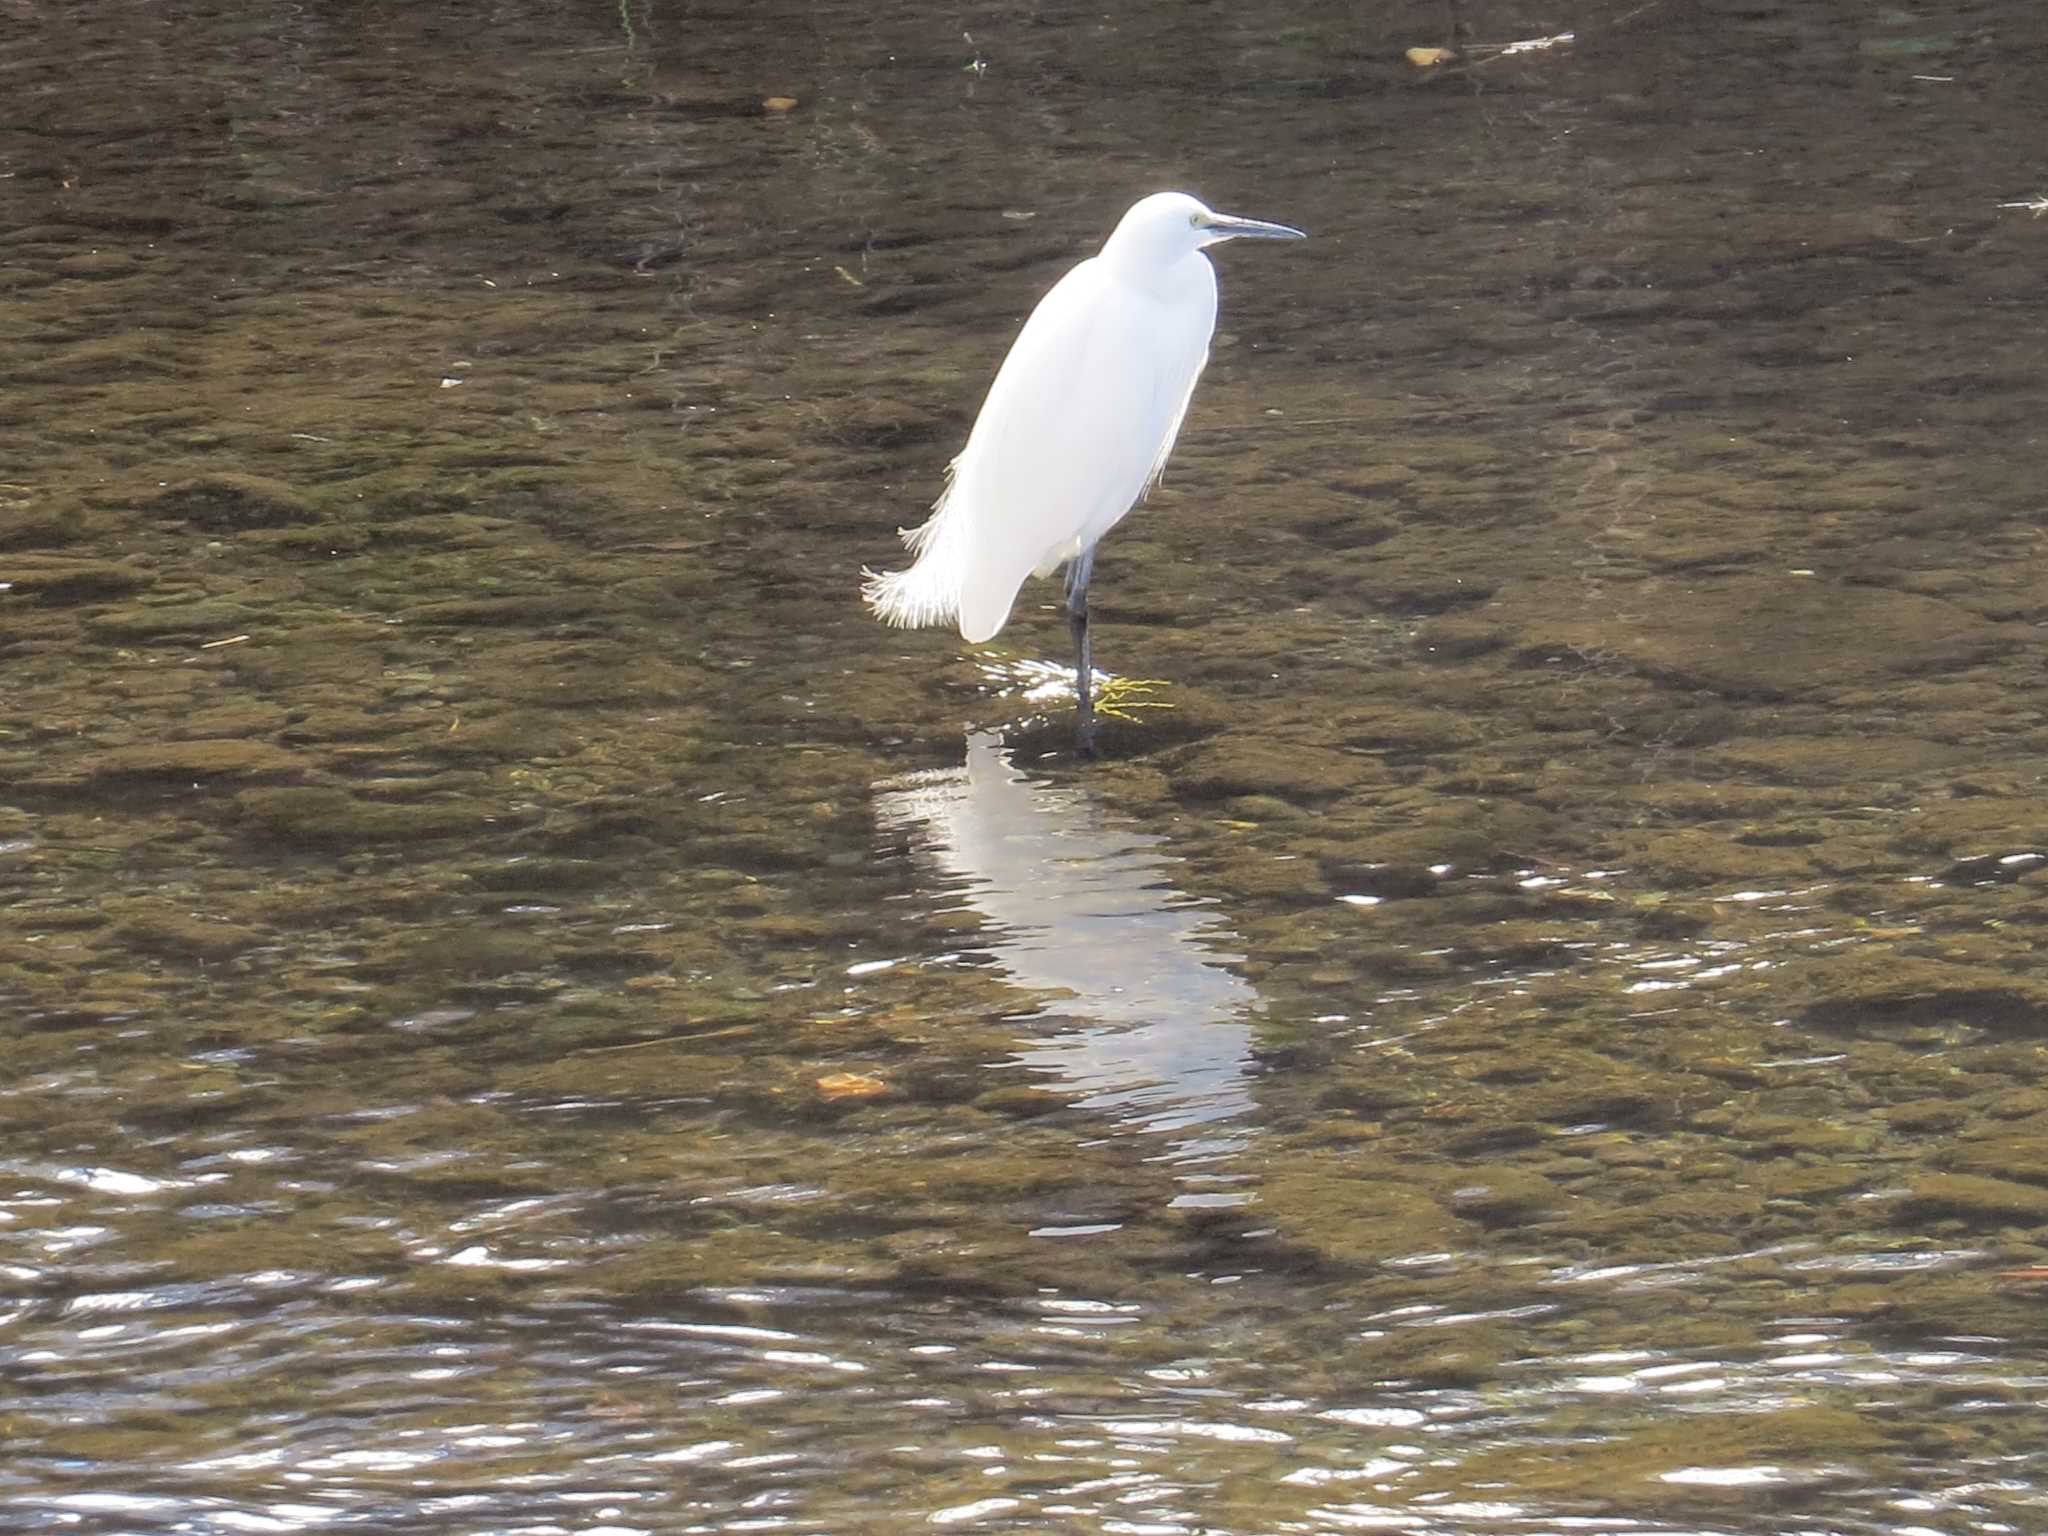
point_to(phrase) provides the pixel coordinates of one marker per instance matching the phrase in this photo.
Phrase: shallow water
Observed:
(526, 1011)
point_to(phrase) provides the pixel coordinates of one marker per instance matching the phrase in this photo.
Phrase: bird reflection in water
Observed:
(1155, 1026)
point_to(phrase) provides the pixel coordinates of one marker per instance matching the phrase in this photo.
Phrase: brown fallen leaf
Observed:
(1429, 58)
(850, 1085)
(779, 104)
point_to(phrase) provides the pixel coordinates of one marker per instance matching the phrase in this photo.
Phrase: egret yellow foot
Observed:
(1120, 697)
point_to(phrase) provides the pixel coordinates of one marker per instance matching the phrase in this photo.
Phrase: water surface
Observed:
(526, 1011)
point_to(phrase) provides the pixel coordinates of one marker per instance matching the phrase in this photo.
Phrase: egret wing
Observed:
(1077, 424)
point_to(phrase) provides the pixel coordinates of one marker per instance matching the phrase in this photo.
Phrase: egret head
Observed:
(1166, 226)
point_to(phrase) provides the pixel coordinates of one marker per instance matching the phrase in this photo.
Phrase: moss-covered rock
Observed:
(2020, 1157)
(58, 582)
(1873, 984)
(1973, 1198)
(321, 817)
(1459, 638)
(206, 619)
(195, 761)
(1502, 1194)
(167, 931)
(227, 502)
(1770, 637)
(1245, 765)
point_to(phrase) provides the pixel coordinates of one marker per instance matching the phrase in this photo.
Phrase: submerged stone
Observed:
(1773, 637)
(1499, 1195)
(171, 932)
(1465, 1355)
(333, 818)
(1459, 638)
(227, 502)
(1878, 985)
(204, 620)
(2020, 1157)
(58, 582)
(196, 760)
(1243, 765)
(1388, 881)
(1973, 1198)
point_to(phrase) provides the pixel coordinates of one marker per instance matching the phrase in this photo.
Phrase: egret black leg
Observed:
(1078, 572)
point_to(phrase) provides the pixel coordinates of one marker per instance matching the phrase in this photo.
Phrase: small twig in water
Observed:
(641, 1045)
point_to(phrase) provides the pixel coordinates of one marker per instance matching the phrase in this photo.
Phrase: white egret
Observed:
(1075, 429)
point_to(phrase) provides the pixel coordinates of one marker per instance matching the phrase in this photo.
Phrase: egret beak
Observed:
(1228, 226)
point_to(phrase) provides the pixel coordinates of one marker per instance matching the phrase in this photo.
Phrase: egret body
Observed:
(1075, 429)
